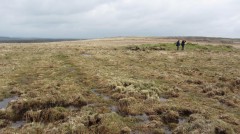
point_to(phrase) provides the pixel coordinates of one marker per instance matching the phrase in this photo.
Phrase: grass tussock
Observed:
(46, 115)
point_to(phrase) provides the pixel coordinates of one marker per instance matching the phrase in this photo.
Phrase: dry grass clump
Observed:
(46, 115)
(86, 123)
(19, 107)
(16, 92)
(185, 111)
(148, 47)
(75, 124)
(197, 82)
(126, 130)
(133, 106)
(222, 94)
(170, 117)
(138, 89)
(23, 105)
(111, 123)
(216, 92)
(228, 102)
(4, 123)
(3, 114)
(52, 101)
(171, 93)
(235, 84)
(221, 88)
(171, 114)
(125, 105)
(94, 119)
(199, 124)
(229, 118)
(39, 128)
(118, 96)
(78, 100)
(55, 121)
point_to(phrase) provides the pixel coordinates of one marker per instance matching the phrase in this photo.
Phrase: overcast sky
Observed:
(109, 18)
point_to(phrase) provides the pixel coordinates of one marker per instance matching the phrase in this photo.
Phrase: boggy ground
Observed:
(132, 85)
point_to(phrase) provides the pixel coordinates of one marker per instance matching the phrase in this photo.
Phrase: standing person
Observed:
(178, 44)
(183, 44)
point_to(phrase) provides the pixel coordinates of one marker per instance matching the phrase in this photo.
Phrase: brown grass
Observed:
(152, 87)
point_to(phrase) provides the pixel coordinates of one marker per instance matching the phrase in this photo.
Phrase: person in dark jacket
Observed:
(178, 44)
(183, 44)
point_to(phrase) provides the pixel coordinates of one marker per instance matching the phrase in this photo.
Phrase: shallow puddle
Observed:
(167, 130)
(92, 105)
(72, 108)
(140, 132)
(18, 124)
(105, 97)
(163, 99)
(182, 120)
(95, 92)
(86, 55)
(4, 102)
(144, 118)
(113, 109)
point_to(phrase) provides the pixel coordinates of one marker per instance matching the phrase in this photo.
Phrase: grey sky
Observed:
(108, 18)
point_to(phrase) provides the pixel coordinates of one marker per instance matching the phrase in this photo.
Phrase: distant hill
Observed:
(30, 40)
(8, 38)
(217, 40)
(209, 39)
